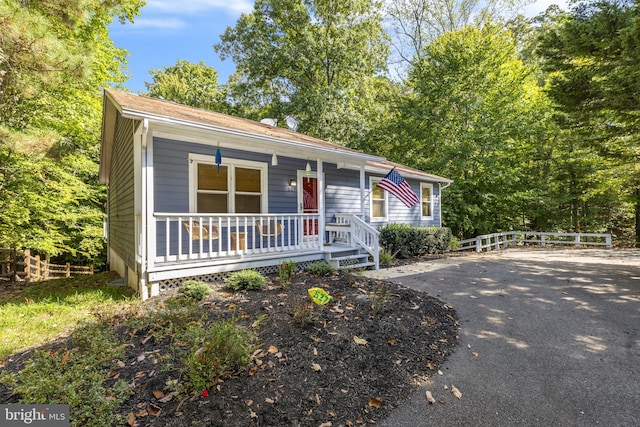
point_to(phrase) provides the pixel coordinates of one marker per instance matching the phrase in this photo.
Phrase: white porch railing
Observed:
(354, 230)
(512, 238)
(187, 237)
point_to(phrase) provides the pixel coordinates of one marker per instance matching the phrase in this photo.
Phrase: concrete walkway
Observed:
(548, 338)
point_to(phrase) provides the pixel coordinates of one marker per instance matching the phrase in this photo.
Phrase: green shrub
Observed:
(194, 289)
(321, 269)
(218, 351)
(408, 241)
(245, 279)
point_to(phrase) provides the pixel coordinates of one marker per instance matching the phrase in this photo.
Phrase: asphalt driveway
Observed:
(548, 338)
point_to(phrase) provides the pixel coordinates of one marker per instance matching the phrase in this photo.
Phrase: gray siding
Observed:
(121, 193)
(342, 193)
(171, 175)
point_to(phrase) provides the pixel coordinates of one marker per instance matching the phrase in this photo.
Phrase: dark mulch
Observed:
(303, 376)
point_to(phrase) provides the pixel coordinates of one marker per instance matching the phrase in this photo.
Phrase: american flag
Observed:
(395, 184)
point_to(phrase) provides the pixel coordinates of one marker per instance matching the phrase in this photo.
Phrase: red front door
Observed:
(310, 204)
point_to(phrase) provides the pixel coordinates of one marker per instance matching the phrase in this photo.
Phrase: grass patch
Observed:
(35, 313)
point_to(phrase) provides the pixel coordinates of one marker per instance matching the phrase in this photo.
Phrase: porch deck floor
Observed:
(337, 247)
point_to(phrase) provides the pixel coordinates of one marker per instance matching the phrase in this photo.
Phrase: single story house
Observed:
(198, 194)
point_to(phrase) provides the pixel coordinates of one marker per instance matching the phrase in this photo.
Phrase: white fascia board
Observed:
(301, 149)
(405, 174)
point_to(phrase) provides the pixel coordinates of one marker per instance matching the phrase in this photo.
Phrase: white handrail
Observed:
(364, 235)
(512, 238)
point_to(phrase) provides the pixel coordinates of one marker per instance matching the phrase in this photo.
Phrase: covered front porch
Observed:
(189, 245)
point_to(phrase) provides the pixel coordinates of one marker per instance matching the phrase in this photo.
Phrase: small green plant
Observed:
(245, 279)
(194, 289)
(304, 312)
(217, 351)
(77, 377)
(321, 268)
(287, 271)
(387, 258)
(379, 300)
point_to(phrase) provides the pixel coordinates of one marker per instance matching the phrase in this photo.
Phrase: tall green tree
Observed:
(475, 113)
(55, 56)
(592, 55)
(318, 60)
(188, 84)
(414, 24)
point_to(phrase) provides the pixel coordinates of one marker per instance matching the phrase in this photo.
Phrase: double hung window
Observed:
(426, 201)
(379, 201)
(238, 187)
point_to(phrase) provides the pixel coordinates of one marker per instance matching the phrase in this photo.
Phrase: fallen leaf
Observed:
(474, 353)
(392, 342)
(431, 366)
(249, 402)
(456, 392)
(327, 424)
(269, 400)
(141, 414)
(252, 414)
(168, 397)
(359, 340)
(153, 409)
(375, 402)
(430, 398)
(65, 358)
(158, 394)
(316, 367)
(131, 419)
(272, 349)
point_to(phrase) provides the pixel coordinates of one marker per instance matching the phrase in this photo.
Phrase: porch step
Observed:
(348, 258)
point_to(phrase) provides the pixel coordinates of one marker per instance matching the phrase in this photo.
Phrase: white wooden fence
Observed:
(512, 238)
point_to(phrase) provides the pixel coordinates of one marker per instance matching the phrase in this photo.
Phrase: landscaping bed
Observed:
(349, 362)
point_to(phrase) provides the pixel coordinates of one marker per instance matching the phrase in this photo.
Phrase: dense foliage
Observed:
(405, 241)
(55, 57)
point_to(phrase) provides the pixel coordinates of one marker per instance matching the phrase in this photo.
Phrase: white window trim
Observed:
(372, 182)
(422, 187)
(195, 159)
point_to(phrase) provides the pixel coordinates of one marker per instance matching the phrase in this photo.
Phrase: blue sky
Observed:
(168, 30)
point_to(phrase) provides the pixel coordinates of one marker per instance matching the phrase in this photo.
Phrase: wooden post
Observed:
(13, 263)
(27, 265)
(68, 272)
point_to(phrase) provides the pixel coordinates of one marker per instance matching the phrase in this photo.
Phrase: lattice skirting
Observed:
(173, 284)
